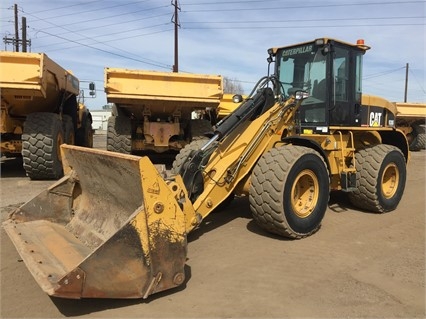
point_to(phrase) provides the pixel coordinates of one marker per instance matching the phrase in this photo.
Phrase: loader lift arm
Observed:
(254, 106)
(223, 165)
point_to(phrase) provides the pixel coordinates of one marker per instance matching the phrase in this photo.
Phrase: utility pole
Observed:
(15, 41)
(175, 20)
(15, 7)
(406, 83)
(24, 34)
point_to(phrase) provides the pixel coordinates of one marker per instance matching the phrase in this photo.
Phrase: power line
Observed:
(306, 20)
(299, 6)
(228, 2)
(109, 52)
(375, 75)
(109, 34)
(115, 15)
(158, 64)
(68, 6)
(110, 24)
(103, 42)
(418, 82)
(102, 8)
(305, 26)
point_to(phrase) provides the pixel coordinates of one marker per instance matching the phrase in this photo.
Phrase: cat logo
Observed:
(375, 119)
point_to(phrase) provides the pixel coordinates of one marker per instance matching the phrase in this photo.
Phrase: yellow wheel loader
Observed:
(116, 226)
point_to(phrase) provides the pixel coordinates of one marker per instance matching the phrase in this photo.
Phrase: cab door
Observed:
(345, 87)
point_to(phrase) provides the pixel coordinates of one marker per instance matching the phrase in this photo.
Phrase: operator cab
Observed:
(330, 72)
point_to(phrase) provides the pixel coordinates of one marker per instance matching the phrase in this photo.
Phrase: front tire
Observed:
(119, 134)
(289, 191)
(183, 154)
(41, 139)
(381, 176)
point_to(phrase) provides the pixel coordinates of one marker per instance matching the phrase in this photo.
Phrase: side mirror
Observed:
(92, 89)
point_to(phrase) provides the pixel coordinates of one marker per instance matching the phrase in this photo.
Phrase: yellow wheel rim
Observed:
(305, 193)
(390, 180)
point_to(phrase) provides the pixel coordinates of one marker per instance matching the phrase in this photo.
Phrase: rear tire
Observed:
(41, 139)
(289, 191)
(119, 134)
(419, 138)
(381, 176)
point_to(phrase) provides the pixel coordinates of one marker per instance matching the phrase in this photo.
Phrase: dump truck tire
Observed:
(84, 135)
(419, 138)
(380, 178)
(68, 127)
(183, 154)
(119, 135)
(289, 191)
(41, 139)
(199, 128)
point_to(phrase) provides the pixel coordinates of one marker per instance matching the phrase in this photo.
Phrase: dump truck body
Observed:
(39, 106)
(32, 82)
(411, 119)
(118, 224)
(153, 110)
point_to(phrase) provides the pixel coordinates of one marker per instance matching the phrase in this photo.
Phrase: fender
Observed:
(301, 141)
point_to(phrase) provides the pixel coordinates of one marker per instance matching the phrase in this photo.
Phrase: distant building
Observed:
(100, 120)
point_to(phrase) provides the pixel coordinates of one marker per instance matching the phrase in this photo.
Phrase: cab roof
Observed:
(322, 41)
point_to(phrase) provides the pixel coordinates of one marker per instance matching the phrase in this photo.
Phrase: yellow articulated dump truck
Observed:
(39, 112)
(116, 226)
(411, 119)
(155, 110)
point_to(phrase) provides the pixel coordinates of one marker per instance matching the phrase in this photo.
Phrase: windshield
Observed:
(302, 68)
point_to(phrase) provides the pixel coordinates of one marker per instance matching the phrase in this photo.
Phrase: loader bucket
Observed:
(111, 228)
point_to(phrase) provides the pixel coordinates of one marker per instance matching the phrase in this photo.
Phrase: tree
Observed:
(232, 86)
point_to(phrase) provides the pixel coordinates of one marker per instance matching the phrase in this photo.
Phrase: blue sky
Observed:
(229, 38)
